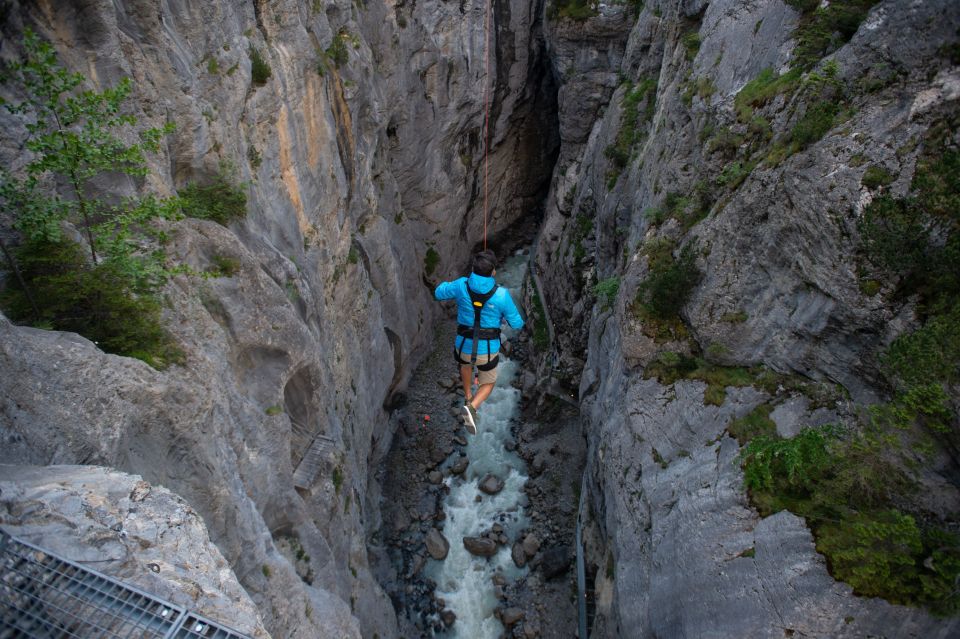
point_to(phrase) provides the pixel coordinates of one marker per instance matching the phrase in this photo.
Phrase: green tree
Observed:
(75, 136)
(103, 286)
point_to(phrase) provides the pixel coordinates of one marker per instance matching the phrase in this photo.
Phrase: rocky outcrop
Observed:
(677, 547)
(361, 154)
(124, 527)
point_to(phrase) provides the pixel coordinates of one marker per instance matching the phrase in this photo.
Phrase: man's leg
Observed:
(482, 394)
(466, 377)
(486, 381)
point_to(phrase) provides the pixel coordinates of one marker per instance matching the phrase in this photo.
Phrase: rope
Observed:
(486, 118)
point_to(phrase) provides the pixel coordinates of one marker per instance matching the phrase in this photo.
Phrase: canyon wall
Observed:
(361, 155)
(673, 158)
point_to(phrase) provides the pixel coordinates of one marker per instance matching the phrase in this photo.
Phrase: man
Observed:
(481, 307)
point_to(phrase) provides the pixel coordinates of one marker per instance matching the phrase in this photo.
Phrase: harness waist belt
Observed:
(484, 333)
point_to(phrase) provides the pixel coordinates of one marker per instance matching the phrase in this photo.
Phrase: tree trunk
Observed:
(23, 283)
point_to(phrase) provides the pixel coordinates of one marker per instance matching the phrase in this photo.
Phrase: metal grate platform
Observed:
(43, 596)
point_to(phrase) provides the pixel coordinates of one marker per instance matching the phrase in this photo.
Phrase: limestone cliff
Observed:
(675, 159)
(361, 153)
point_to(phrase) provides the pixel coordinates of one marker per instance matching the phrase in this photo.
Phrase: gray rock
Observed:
(435, 477)
(459, 466)
(510, 616)
(555, 561)
(531, 544)
(491, 484)
(518, 555)
(437, 544)
(480, 546)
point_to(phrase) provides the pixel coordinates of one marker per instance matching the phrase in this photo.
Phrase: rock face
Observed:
(685, 553)
(143, 535)
(355, 171)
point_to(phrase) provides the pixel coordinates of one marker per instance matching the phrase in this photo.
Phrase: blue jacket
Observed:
(498, 308)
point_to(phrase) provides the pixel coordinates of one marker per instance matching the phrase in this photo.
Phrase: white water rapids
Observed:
(464, 581)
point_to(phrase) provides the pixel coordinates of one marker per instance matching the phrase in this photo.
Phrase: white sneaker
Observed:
(470, 418)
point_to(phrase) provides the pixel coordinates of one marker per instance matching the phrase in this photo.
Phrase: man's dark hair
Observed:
(484, 262)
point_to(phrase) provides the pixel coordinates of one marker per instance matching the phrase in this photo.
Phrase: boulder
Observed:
(460, 466)
(555, 561)
(531, 545)
(435, 477)
(448, 617)
(480, 546)
(437, 544)
(518, 554)
(510, 616)
(491, 484)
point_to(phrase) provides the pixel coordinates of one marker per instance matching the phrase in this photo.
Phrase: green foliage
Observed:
(756, 423)
(606, 290)
(337, 52)
(644, 95)
(254, 157)
(825, 28)
(915, 239)
(577, 10)
(876, 176)
(541, 334)
(223, 266)
(819, 118)
(667, 287)
(353, 256)
(670, 367)
(74, 137)
(96, 301)
(337, 478)
(274, 410)
(734, 174)
(221, 201)
(213, 67)
(691, 44)
(725, 141)
(791, 466)
(762, 90)
(430, 261)
(259, 69)
(734, 317)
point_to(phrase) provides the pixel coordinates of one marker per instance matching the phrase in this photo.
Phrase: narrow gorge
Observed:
(732, 226)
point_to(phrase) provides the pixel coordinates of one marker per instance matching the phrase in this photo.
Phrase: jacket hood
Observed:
(480, 283)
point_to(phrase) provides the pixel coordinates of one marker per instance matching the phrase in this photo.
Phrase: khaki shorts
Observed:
(483, 377)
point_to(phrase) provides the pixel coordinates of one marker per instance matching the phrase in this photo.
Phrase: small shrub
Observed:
(224, 266)
(221, 200)
(668, 287)
(213, 67)
(430, 261)
(254, 157)
(337, 51)
(789, 467)
(819, 118)
(577, 10)
(876, 176)
(762, 90)
(265, 569)
(606, 290)
(274, 410)
(824, 28)
(97, 302)
(353, 256)
(756, 423)
(734, 174)
(734, 317)
(259, 69)
(691, 44)
(337, 478)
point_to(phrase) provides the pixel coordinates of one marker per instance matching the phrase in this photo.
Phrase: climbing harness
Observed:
(476, 333)
(486, 118)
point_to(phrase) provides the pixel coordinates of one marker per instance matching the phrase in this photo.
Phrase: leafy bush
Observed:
(224, 266)
(259, 69)
(430, 261)
(670, 367)
(756, 423)
(789, 467)
(691, 44)
(96, 301)
(876, 176)
(644, 93)
(824, 28)
(734, 174)
(667, 288)
(221, 200)
(337, 51)
(762, 90)
(606, 290)
(578, 10)
(819, 118)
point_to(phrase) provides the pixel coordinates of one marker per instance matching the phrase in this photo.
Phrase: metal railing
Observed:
(44, 596)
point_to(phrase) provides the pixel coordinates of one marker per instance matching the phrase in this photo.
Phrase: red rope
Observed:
(486, 118)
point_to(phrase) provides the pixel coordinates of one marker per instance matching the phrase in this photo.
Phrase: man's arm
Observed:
(446, 290)
(510, 312)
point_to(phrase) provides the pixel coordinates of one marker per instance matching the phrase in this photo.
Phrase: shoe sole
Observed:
(468, 421)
